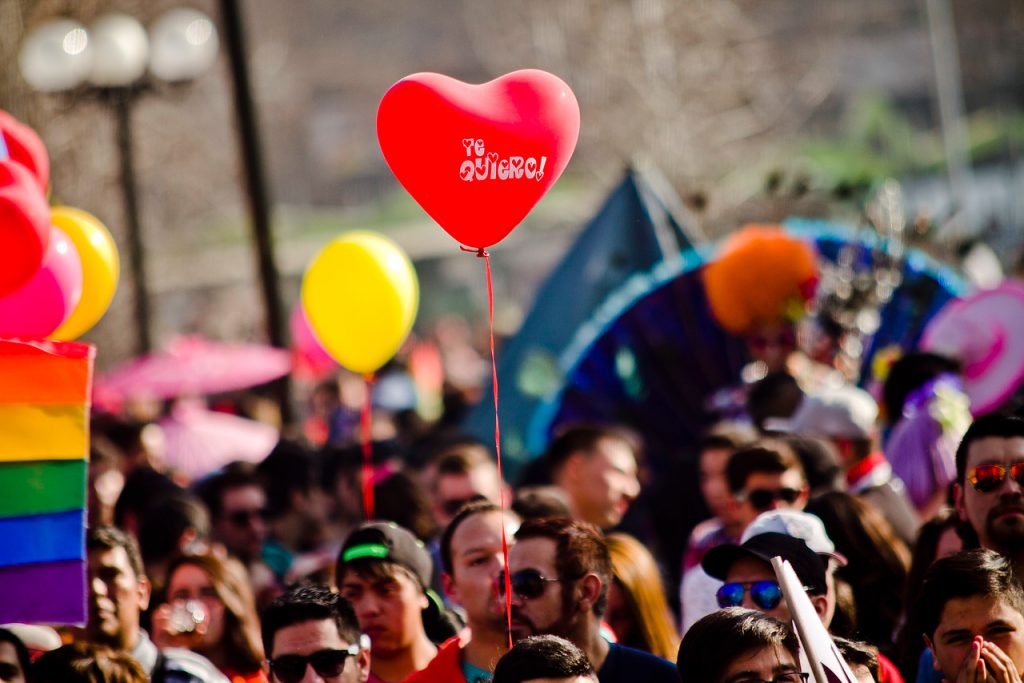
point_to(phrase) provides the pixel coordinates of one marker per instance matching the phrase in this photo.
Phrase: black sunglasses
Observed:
(988, 478)
(527, 583)
(242, 518)
(326, 664)
(762, 499)
(765, 594)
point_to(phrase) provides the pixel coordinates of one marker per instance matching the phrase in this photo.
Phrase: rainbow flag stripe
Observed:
(44, 447)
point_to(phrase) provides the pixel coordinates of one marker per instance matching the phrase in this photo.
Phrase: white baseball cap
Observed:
(844, 412)
(803, 525)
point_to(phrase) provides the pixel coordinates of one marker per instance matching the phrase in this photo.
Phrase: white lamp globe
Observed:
(120, 50)
(56, 56)
(183, 45)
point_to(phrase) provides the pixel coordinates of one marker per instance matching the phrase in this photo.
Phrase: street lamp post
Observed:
(122, 100)
(110, 59)
(256, 186)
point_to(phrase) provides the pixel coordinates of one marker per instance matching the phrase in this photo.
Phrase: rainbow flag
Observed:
(44, 448)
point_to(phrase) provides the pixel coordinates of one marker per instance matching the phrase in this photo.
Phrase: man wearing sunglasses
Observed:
(766, 475)
(237, 503)
(384, 571)
(806, 532)
(750, 580)
(989, 490)
(763, 476)
(560, 570)
(311, 634)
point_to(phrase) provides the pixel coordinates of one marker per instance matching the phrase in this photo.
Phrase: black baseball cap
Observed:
(388, 542)
(809, 567)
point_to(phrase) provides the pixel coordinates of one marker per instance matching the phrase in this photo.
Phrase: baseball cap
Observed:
(35, 637)
(803, 525)
(391, 543)
(808, 566)
(843, 412)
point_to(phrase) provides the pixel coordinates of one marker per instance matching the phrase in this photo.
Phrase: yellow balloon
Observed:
(361, 294)
(100, 269)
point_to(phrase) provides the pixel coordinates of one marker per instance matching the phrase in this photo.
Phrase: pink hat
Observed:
(985, 332)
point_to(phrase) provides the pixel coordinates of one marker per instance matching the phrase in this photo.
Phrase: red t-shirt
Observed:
(445, 667)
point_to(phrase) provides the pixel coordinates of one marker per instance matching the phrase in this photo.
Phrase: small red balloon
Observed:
(24, 146)
(478, 158)
(24, 225)
(42, 304)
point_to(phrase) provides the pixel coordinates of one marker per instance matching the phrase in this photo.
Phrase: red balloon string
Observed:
(366, 437)
(481, 253)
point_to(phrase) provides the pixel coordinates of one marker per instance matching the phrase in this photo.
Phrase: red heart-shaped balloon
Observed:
(477, 158)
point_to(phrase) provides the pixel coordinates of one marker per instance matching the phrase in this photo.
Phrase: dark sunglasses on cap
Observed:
(242, 518)
(765, 594)
(988, 478)
(326, 664)
(527, 583)
(762, 499)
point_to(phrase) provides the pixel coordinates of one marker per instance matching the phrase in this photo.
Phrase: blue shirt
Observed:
(475, 674)
(629, 665)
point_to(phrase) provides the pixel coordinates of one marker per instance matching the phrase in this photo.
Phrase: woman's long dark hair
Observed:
(878, 562)
(241, 636)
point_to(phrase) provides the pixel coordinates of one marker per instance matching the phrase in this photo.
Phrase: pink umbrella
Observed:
(195, 366)
(199, 441)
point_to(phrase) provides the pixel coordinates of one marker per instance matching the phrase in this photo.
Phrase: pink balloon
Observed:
(39, 306)
(310, 354)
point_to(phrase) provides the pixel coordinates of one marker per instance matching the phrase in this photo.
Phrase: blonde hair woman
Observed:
(637, 611)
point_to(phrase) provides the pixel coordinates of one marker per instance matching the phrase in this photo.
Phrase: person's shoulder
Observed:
(704, 529)
(705, 536)
(629, 664)
(179, 665)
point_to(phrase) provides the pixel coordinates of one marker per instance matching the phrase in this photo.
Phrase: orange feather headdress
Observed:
(761, 277)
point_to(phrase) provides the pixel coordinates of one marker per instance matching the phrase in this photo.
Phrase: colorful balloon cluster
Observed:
(59, 267)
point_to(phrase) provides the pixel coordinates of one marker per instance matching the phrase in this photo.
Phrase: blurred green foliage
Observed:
(879, 141)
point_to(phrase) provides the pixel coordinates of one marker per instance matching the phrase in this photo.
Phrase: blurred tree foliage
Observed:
(878, 141)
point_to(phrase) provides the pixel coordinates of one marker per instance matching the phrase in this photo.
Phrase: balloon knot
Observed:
(481, 253)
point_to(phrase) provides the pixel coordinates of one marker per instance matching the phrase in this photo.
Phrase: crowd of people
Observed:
(901, 517)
